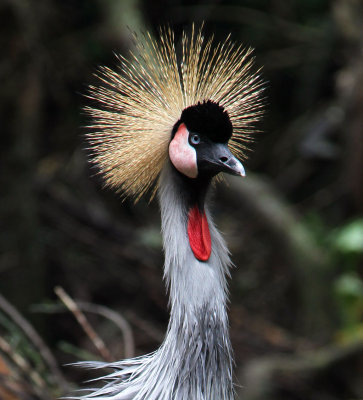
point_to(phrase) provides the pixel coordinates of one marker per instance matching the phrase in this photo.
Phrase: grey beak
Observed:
(218, 158)
(232, 165)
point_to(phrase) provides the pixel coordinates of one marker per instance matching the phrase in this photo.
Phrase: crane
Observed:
(169, 122)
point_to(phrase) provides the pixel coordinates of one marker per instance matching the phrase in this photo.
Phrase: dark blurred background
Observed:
(294, 225)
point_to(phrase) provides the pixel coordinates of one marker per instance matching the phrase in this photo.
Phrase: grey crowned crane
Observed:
(170, 124)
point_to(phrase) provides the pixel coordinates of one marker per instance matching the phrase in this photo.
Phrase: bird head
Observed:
(197, 109)
(199, 144)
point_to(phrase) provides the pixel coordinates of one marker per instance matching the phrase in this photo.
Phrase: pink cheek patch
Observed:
(182, 154)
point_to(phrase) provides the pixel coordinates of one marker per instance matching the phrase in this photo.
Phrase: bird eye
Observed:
(195, 139)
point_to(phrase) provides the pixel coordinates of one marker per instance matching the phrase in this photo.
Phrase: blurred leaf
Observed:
(350, 238)
(349, 291)
(351, 334)
(349, 285)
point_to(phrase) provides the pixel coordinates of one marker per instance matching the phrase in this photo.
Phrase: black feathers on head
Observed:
(208, 118)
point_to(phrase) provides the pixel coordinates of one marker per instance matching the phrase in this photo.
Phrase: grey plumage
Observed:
(195, 360)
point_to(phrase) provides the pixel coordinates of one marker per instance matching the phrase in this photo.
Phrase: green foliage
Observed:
(344, 246)
(349, 239)
(348, 286)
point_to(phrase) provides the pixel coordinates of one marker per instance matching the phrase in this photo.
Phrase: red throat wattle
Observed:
(198, 233)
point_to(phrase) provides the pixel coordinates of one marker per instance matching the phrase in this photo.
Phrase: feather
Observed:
(194, 361)
(138, 105)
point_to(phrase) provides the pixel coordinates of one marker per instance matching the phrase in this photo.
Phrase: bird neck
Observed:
(192, 191)
(196, 348)
(193, 283)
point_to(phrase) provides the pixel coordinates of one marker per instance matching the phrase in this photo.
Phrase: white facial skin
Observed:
(182, 154)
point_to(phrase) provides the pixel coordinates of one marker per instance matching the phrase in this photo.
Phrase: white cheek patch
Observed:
(182, 154)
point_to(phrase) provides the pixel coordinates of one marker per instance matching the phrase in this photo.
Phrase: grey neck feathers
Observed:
(192, 284)
(198, 327)
(195, 360)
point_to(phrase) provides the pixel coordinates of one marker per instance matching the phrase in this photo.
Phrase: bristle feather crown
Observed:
(139, 105)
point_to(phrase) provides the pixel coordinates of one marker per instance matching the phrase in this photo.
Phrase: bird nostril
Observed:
(224, 159)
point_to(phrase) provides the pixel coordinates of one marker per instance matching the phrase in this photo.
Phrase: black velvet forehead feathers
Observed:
(209, 119)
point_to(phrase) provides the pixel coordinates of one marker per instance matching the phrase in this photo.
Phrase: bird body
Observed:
(203, 114)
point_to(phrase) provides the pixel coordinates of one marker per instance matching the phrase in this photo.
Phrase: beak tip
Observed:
(242, 171)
